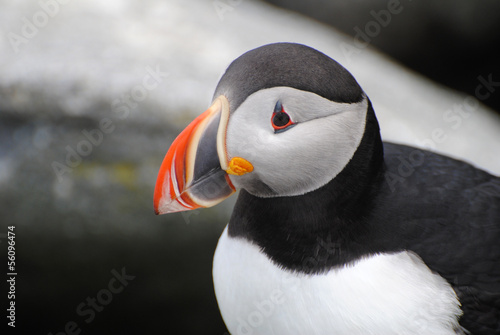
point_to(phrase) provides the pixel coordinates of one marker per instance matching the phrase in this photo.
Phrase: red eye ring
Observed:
(280, 120)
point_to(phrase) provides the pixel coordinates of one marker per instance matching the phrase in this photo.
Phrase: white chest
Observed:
(381, 295)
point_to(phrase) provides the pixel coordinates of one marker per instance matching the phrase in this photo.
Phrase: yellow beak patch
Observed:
(239, 166)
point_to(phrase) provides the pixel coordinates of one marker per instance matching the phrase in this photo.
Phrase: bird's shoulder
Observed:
(448, 212)
(444, 205)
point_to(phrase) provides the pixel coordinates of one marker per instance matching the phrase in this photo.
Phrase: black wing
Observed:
(448, 212)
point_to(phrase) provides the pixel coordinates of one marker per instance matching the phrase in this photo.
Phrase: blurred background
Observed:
(92, 94)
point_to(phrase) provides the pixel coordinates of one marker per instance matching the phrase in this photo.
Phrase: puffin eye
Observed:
(280, 120)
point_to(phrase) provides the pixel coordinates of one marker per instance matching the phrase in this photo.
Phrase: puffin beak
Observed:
(194, 172)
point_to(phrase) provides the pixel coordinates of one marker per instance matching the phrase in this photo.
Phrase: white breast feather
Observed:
(381, 295)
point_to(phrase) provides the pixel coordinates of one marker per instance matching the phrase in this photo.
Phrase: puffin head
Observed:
(285, 120)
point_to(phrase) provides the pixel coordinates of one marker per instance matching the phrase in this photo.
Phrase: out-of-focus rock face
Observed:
(92, 93)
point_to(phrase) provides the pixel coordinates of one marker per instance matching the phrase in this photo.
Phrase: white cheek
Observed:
(247, 138)
(302, 158)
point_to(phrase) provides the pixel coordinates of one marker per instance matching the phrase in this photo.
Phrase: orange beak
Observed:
(193, 172)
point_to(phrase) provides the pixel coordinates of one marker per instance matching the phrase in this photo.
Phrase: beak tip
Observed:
(172, 206)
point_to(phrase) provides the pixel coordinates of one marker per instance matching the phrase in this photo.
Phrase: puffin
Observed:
(334, 231)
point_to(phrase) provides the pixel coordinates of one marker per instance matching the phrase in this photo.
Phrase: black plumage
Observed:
(290, 65)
